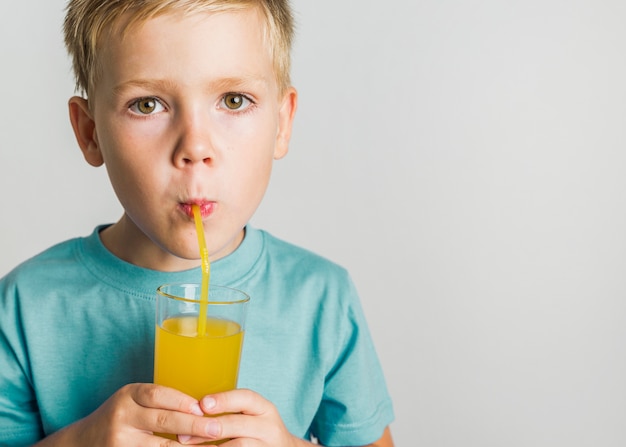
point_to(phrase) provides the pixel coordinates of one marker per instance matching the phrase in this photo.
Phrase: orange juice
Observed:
(197, 365)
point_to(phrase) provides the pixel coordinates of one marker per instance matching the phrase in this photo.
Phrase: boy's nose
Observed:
(194, 144)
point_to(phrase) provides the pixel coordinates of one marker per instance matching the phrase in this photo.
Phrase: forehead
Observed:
(187, 48)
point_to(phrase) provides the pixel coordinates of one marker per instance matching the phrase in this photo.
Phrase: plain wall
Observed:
(464, 160)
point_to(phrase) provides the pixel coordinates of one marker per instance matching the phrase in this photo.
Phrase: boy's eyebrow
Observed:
(219, 84)
(149, 84)
(237, 82)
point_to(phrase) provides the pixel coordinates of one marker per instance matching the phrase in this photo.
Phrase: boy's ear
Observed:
(285, 122)
(85, 130)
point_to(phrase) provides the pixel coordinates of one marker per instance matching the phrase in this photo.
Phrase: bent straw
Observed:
(206, 271)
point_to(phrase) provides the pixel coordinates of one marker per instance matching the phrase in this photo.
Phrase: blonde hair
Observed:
(87, 20)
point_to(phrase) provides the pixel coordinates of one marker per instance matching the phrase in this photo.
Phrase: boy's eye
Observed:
(235, 101)
(146, 106)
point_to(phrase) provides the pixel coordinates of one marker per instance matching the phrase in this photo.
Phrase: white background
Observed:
(464, 160)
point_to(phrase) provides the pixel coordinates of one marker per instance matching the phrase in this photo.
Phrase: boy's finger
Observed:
(175, 422)
(238, 425)
(236, 401)
(193, 440)
(157, 396)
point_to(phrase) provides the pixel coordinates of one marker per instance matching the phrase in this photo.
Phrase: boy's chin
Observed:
(177, 258)
(189, 256)
(176, 264)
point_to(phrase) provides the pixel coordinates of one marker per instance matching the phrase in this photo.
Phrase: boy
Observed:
(187, 103)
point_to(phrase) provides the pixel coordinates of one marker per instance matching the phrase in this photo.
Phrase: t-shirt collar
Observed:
(228, 271)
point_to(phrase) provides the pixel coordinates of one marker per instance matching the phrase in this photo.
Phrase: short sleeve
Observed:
(19, 416)
(356, 406)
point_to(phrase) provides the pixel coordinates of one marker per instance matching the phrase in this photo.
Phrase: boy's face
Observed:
(186, 111)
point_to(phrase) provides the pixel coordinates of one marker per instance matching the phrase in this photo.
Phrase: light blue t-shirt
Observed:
(77, 323)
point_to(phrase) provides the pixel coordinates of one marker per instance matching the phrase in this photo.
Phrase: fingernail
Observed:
(212, 428)
(208, 403)
(183, 438)
(195, 409)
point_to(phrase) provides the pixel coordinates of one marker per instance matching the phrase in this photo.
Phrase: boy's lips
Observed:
(206, 207)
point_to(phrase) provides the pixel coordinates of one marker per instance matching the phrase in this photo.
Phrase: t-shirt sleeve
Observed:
(356, 406)
(19, 416)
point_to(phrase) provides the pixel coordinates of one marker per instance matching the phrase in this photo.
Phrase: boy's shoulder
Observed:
(52, 261)
(290, 257)
(285, 248)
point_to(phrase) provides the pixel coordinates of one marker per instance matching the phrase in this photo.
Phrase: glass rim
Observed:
(160, 291)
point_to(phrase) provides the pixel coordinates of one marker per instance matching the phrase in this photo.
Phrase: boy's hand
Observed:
(249, 417)
(131, 415)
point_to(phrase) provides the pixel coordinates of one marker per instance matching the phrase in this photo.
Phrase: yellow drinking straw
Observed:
(206, 271)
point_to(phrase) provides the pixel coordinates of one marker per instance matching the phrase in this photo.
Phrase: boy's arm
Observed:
(130, 416)
(245, 414)
(384, 441)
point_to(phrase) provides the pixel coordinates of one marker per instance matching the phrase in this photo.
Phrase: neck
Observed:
(130, 244)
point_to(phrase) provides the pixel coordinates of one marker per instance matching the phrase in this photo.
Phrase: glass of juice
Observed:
(198, 342)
